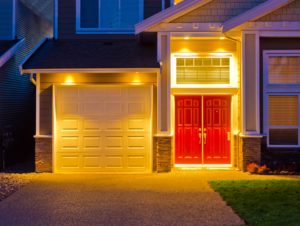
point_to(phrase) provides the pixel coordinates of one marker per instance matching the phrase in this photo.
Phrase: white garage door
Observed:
(102, 129)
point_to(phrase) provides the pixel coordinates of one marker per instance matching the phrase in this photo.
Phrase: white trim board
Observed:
(10, 52)
(91, 70)
(255, 13)
(169, 14)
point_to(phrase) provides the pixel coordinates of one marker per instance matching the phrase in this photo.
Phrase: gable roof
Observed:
(255, 13)
(91, 54)
(8, 49)
(170, 14)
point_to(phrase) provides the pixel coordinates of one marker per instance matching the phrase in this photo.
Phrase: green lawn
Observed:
(269, 202)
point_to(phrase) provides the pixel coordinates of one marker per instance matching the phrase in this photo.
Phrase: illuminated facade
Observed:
(202, 83)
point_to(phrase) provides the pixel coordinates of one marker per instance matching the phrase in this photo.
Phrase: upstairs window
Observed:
(108, 16)
(284, 70)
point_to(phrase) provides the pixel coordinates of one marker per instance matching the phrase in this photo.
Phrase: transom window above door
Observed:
(108, 16)
(203, 70)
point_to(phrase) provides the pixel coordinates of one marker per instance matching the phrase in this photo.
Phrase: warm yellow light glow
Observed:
(222, 38)
(69, 80)
(177, 1)
(136, 80)
(186, 50)
(186, 38)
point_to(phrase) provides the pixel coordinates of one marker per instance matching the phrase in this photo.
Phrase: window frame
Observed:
(99, 30)
(278, 90)
(232, 73)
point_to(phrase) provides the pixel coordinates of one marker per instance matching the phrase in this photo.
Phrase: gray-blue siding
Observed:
(17, 93)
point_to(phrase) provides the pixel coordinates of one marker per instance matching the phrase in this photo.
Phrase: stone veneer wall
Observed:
(162, 154)
(43, 154)
(249, 151)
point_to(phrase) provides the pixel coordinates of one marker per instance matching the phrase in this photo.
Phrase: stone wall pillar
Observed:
(249, 151)
(43, 154)
(162, 154)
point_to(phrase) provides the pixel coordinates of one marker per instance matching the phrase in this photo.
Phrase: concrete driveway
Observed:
(180, 198)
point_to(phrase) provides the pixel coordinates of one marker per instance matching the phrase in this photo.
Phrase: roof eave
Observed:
(254, 13)
(91, 70)
(169, 14)
(10, 52)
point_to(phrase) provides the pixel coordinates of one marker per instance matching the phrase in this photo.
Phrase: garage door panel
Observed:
(92, 161)
(110, 133)
(69, 143)
(91, 143)
(91, 124)
(114, 124)
(69, 161)
(136, 141)
(69, 109)
(114, 161)
(138, 124)
(69, 124)
(93, 108)
(136, 161)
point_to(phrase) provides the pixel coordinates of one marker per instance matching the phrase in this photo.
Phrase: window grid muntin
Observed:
(103, 30)
(276, 65)
(202, 70)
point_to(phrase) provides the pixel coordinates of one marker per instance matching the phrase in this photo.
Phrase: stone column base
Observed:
(249, 151)
(43, 155)
(162, 154)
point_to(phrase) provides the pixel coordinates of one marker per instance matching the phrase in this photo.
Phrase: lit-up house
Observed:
(147, 85)
(23, 23)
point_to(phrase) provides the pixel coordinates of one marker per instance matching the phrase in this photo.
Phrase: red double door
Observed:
(202, 130)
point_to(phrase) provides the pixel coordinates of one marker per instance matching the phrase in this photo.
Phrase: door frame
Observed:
(54, 91)
(233, 112)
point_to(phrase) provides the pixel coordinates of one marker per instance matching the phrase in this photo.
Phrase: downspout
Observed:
(32, 79)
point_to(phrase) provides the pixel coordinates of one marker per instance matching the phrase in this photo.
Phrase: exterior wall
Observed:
(67, 20)
(250, 151)
(43, 155)
(162, 154)
(17, 94)
(289, 12)
(218, 11)
(6, 20)
(277, 158)
(43, 142)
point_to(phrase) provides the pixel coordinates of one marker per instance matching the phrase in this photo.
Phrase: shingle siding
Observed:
(6, 19)
(67, 20)
(218, 11)
(17, 94)
(290, 12)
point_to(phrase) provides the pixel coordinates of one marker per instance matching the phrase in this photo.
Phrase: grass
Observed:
(271, 202)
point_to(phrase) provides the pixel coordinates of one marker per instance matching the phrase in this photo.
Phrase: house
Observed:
(21, 28)
(140, 86)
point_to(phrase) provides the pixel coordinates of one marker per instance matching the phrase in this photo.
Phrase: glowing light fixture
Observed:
(186, 38)
(69, 80)
(222, 38)
(136, 80)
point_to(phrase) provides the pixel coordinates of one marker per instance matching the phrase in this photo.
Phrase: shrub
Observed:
(252, 168)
